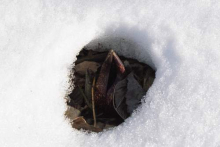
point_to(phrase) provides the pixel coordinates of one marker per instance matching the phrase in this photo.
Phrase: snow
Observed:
(180, 39)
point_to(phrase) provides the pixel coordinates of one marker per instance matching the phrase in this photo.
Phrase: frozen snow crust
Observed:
(180, 39)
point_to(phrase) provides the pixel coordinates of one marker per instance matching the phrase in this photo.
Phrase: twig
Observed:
(93, 102)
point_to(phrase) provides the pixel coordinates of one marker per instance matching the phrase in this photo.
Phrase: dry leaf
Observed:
(76, 98)
(119, 100)
(72, 113)
(82, 67)
(148, 78)
(80, 123)
(127, 96)
(134, 93)
(96, 58)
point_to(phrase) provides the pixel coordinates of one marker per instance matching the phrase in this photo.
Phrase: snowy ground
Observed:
(179, 38)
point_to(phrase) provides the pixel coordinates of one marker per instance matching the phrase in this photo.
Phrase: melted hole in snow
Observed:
(108, 87)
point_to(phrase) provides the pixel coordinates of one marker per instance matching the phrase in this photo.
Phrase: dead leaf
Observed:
(138, 70)
(76, 98)
(80, 123)
(147, 83)
(107, 126)
(79, 80)
(72, 113)
(82, 67)
(148, 78)
(100, 125)
(127, 67)
(134, 93)
(119, 100)
(96, 58)
(127, 96)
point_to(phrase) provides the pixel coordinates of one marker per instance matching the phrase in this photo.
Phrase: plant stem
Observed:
(93, 102)
(85, 98)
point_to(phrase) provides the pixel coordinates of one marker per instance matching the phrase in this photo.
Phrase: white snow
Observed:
(179, 38)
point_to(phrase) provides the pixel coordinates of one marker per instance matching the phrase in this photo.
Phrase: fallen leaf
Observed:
(72, 113)
(79, 80)
(82, 67)
(107, 126)
(119, 100)
(100, 125)
(76, 98)
(127, 96)
(138, 71)
(120, 71)
(80, 123)
(128, 68)
(134, 93)
(148, 78)
(95, 58)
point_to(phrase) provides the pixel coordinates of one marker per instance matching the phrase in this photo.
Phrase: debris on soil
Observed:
(80, 123)
(108, 88)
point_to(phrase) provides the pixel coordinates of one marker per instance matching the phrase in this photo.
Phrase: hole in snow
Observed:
(109, 84)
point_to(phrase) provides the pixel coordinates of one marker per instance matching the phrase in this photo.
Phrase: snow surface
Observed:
(179, 38)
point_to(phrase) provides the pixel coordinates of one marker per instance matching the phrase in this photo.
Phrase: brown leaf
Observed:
(107, 126)
(80, 123)
(96, 58)
(82, 67)
(79, 80)
(72, 113)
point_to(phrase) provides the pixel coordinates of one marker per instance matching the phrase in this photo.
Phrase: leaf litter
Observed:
(108, 88)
